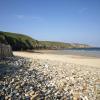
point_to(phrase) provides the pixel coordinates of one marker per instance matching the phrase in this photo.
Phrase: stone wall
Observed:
(5, 50)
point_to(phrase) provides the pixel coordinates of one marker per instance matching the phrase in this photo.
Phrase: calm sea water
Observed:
(91, 52)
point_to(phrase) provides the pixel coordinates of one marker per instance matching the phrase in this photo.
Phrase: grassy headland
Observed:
(24, 42)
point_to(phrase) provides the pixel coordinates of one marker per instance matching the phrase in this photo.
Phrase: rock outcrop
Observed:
(5, 50)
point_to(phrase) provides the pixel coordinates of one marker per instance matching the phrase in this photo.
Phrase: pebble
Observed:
(47, 80)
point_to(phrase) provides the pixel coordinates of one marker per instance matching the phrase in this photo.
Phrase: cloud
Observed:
(20, 16)
(82, 10)
(27, 17)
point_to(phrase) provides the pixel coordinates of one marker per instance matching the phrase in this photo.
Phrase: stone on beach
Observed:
(34, 79)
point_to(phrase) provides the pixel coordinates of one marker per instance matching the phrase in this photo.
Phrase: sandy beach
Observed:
(79, 76)
(42, 76)
(82, 60)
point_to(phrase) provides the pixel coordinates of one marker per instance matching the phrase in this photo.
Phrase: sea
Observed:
(90, 52)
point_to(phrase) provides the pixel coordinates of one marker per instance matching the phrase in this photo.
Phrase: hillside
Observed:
(60, 45)
(23, 42)
(17, 41)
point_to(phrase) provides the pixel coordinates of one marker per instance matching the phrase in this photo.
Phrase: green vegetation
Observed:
(17, 41)
(60, 45)
(54, 45)
(23, 42)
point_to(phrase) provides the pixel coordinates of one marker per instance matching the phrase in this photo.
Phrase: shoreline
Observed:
(74, 52)
(81, 60)
(36, 76)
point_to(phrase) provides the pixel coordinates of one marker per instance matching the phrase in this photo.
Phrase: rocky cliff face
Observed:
(77, 45)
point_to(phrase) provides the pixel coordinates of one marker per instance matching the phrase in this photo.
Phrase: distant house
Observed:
(5, 50)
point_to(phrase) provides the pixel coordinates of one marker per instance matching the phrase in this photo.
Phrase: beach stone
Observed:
(32, 93)
(23, 83)
(17, 94)
(97, 89)
(12, 81)
(86, 98)
(27, 96)
(6, 98)
(49, 80)
(17, 87)
(33, 97)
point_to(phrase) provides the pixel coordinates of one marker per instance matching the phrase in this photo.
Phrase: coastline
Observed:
(75, 59)
(84, 52)
(36, 76)
(76, 75)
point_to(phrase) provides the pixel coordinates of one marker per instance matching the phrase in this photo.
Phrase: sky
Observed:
(72, 21)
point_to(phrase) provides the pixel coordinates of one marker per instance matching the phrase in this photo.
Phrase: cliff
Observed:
(24, 42)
